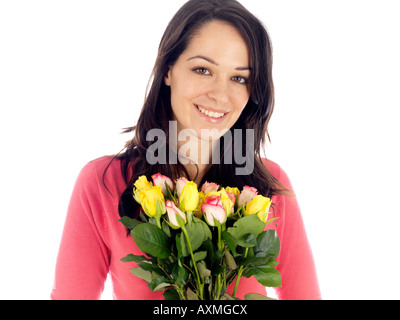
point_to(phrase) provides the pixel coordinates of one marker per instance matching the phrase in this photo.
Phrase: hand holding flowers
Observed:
(198, 242)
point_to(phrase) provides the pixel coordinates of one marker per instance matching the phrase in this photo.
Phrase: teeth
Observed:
(211, 113)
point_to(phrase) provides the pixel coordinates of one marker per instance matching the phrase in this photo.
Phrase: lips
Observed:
(211, 113)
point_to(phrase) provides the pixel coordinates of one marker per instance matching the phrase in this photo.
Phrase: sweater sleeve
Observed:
(83, 258)
(297, 267)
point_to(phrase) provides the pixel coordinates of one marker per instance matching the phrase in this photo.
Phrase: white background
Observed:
(74, 73)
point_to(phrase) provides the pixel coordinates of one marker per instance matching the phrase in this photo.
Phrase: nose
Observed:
(219, 91)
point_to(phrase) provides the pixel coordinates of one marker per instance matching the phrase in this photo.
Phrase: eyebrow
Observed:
(214, 63)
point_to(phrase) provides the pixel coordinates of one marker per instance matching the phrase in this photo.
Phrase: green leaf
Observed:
(272, 220)
(159, 283)
(241, 229)
(171, 294)
(133, 258)
(206, 230)
(272, 264)
(170, 192)
(184, 247)
(180, 275)
(268, 245)
(148, 266)
(203, 271)
(166, 228)
(267, 276)
(191, 295)
(151, 240)
(249, 240)
(142, 274)
(201, 255)
(256, 296)
(153, 221)
(260, 261)
(230, 261)
(214, 258)
(230, 242)
(129, 222)
(143, 217)
(217, 266)
(178, 242)
(198, 232)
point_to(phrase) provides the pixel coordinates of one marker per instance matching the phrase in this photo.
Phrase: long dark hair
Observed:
(157, 112)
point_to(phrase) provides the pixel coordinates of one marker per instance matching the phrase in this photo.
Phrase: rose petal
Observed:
(212, 211)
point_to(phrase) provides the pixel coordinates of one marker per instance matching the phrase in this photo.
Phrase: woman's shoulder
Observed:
(272, 167)
(105, 170)
(277, 172)
(97, 166)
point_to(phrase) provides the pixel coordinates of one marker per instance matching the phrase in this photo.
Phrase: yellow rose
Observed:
(198, 212)
(259, 206)
(189, 198)
(142, 183)
(152, 201)
(201, 199)
(226, 202)
(232, 190)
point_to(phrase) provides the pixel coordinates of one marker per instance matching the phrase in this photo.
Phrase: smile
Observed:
(211, 114)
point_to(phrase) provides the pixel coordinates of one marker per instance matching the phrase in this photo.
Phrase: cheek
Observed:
(183, 91)
(239, 104)
(241, 101)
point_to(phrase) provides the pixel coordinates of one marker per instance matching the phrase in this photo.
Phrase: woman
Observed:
(213, 71)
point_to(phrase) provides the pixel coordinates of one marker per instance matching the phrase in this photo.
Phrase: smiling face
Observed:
(209, 81)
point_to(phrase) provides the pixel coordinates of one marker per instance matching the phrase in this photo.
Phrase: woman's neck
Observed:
(196, 156)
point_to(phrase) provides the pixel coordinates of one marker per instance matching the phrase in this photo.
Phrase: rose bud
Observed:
(247, 194)
(213, 210)
(209, 186)
(173, 212)
(259, 205)
(179, 184)
(189, 197)
(160, 180)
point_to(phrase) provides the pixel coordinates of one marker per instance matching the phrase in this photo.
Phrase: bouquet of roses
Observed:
(197, 242)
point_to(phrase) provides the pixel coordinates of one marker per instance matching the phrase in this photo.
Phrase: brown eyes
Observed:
(205, 71)
(202, 70)
(239, 79)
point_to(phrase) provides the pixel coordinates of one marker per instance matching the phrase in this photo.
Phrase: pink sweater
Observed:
(94, 241)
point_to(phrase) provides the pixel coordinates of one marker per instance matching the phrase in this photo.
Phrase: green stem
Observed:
(199, 284)
(240, 272)
(220, 247)
(180, 292)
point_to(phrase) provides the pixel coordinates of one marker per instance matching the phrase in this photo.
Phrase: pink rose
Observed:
(180, 183)
(247, 194)
(232, 197)
(159, 180)
(172, 212)
(213, 209)
(209, 186)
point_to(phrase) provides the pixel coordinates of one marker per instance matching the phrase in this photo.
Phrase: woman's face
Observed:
(209, 82)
